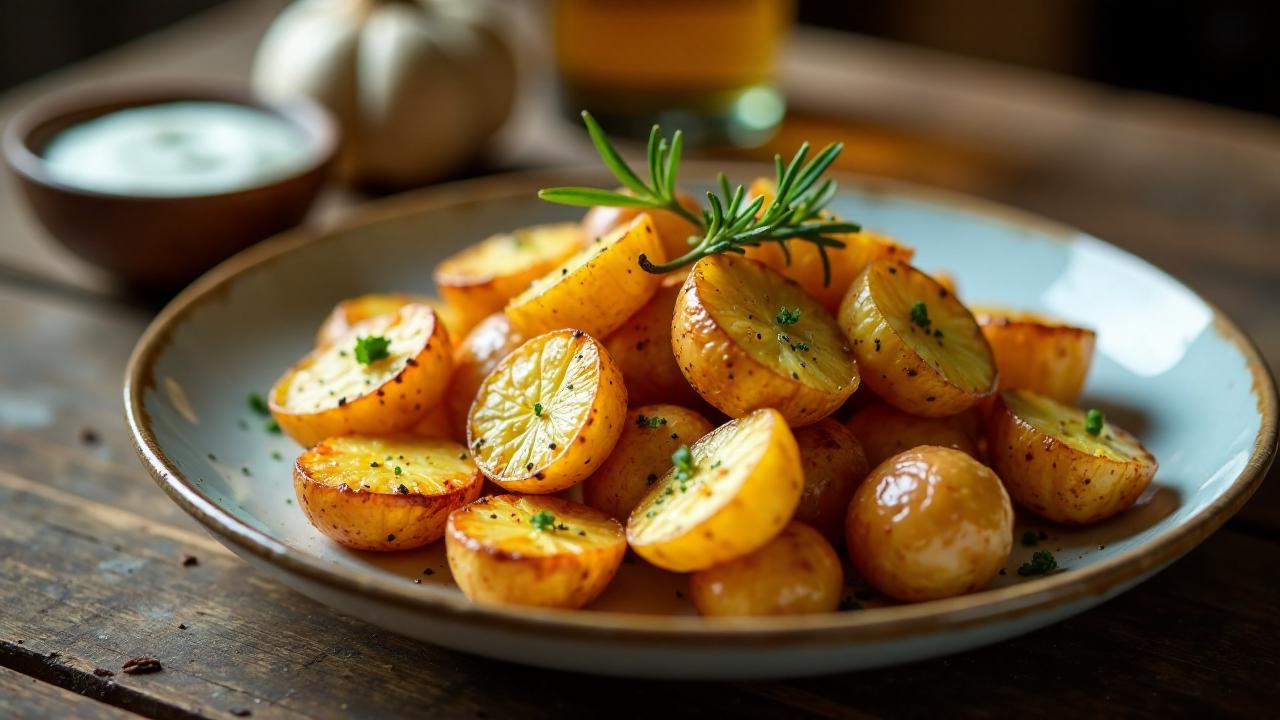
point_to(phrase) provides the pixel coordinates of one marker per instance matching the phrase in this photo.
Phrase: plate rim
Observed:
(952, 614)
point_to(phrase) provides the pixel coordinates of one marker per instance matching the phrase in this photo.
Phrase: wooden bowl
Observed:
(160, 242)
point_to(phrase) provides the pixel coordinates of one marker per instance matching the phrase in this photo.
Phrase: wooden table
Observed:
(91, 552)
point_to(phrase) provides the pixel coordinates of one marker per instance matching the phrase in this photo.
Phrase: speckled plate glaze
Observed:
(1170, 367)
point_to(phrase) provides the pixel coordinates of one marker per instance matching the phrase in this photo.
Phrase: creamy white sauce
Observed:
(180, 148)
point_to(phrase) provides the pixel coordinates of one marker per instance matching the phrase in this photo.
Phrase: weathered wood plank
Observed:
(26, 698)
(98, 584)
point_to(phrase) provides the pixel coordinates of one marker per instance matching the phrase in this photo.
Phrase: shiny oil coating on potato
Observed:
(673, 231)
(331, 392)
(549, 414)
(929, 523)
(642, 350)
(1055, 468)
(480, 279)
(491, 340)
(885, 431)
(740, 488)
(651, 434)
(533, 550)
(384, 493)
(834, 466)
(353, 311)
(747, 338)
(916, 345)
(1035, 352)
(795, 573)
(595, 290)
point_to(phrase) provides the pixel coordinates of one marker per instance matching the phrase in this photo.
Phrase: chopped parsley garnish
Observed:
(797, 346)
(788, 317)
(398, 470)
(1093, 421)
(646, 421)
(372, 349)
(920, 315)
(537, 409)
(682, 459)
(543, 520)
(273, 427)
(1042, 563)
(1030, 538)
(258, 404)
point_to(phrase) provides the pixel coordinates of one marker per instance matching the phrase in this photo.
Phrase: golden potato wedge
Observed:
(353, 311)
(642, 350)
(491, 340)
(384, 493)
(929, 523)
(747, 338)
(805, 264)
(457, 322)
(481, 278)
(332, 392)
(533, 550)
(673, 231)
(885, 431)
(1037, 353)
(795, 573)
(916, 345)
(730, 494)
(834, 466)
(549, 414)
(597, 289)
(642, 455)
(1054, 467)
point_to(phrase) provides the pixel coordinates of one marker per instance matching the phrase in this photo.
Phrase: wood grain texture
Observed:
(23, 697)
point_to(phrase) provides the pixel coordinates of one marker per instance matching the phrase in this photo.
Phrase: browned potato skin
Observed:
(403, 403)
(673, 230)
(642, 350)
(642, 455)
(346, 314)
(1037, 353)
(435, 425)
(374, 521)
(795, 573)
(473, 359)
(885, 431)
(834, 466)
(929, 523)
(1060, 483)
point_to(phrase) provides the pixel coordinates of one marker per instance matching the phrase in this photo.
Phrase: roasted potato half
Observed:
(642, 455)
(491, 340)
(929, 523)
(642, 350)
(353, 311)
(384, 493)
(730, 494)
(595, 290)
(916, 345)
(747, 338)
(379, 380)
(885, 431)
(1056, 468)
(1038, 353)
(795, 573)
(549, 414)
(674, 231)
(533, 550)
(480, 279)
(834, 465)
(435, 425)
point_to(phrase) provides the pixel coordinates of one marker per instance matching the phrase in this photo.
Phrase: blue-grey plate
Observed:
(1169, 367)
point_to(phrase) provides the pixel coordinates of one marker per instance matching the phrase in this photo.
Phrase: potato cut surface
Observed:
(1035, 352)
(482, 278)
(506, 524)
(429, 467)
(352, 311)
(1067, 424)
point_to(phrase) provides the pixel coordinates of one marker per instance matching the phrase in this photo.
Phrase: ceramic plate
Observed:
(1169, 367)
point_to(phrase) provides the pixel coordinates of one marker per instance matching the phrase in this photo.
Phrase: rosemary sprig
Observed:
(729, 223)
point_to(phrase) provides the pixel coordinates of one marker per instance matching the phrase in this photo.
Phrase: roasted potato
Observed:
(673, 230)
(1038, 353)
(885, 431)
(929, 523)
(747, 338)
(333, 391)
(642, 350)
(435, 425)
(642, 455)
(597, 289)
(804, 264)
(384, 493)
(834, 465)
(549, 413)
(1057, 469)
(480, 279)
(916, 345)
(353, 311)
(533, 550)
(795, 573)
(730, 494)
(491, 340)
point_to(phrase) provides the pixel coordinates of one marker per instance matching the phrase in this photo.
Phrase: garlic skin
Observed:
(418, 86)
